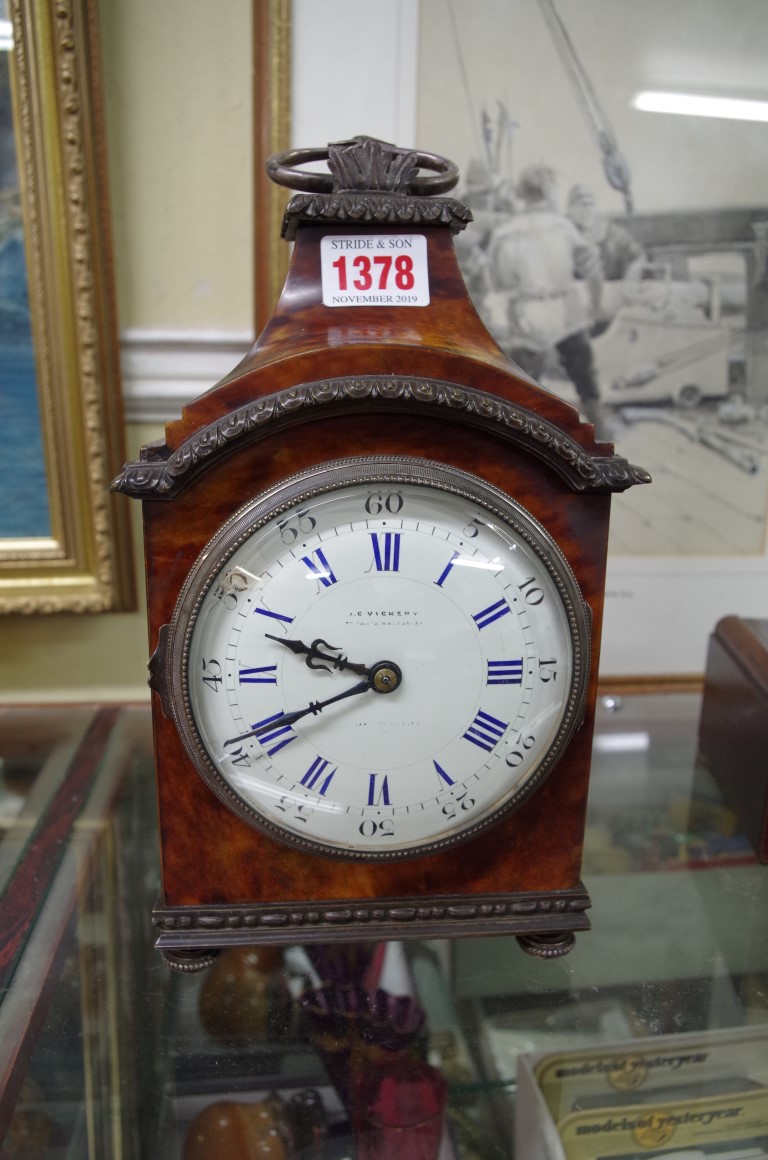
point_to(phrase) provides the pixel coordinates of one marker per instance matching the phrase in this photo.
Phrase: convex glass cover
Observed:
(378, 658)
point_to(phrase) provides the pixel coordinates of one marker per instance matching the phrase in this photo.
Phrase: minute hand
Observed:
(313, 707)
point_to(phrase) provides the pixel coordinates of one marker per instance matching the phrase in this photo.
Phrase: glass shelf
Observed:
(36, 750)
(106, 1053)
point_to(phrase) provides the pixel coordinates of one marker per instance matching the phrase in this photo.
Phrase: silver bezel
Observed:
(321, 480)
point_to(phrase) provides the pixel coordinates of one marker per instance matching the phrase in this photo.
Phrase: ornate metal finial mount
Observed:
(364, 163)
(368, 181)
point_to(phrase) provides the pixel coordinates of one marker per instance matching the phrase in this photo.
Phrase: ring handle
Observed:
(364, 164)
(281, 169)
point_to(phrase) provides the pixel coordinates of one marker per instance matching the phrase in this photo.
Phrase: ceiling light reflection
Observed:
(622, 742)
(691, 105)
(489, 565)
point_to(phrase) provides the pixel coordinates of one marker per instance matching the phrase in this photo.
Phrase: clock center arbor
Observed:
(375, 559)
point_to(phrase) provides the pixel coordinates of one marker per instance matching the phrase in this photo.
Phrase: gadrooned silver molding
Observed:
(160, 474)
(544, 920)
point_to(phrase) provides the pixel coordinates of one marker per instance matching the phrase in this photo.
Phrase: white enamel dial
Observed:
(378, 658)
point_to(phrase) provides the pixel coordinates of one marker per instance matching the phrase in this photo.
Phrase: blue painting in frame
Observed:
(24, 512)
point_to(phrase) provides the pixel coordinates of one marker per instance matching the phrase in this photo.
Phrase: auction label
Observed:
(374, 270)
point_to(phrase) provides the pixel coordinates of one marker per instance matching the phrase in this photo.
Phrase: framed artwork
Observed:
(65, 545)
(676, 209)
(272, 126)
(645, 236)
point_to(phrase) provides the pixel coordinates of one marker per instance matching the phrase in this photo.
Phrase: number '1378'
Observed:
(383, 269)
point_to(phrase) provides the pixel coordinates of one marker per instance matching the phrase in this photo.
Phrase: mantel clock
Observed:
(375, 560)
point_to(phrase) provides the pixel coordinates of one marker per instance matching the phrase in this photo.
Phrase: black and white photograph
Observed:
(615, 168)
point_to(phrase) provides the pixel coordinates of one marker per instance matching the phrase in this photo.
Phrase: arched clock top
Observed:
(162, 473)
(376, 194)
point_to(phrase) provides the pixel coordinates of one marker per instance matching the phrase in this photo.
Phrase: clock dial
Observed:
(378, 658)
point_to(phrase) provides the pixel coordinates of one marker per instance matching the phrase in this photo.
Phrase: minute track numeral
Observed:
(390, 501)
(462, 802)
(383, 828)
(212, 677)
(531, 591)
(231, 588)
(239, 756)
(301, 524)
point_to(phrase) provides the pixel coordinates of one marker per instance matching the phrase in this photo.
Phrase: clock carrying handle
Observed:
(364, 164)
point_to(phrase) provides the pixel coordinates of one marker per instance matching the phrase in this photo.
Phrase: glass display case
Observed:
(367, 1050)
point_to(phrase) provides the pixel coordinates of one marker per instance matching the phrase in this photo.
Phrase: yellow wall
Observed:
(177, 79)
(177, 87)
(75, 658)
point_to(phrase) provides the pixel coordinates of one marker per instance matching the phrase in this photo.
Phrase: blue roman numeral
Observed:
(505, 672)
(321, 570)
(442, 774)
(378, 789)
(386, 551)
(491, 613)
(446, 570)
(282, 734)
(265, 675)
(485, 731)
(274, 615)
(315, 773)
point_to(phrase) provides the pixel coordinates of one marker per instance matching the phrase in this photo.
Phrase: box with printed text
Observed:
(691, 1096)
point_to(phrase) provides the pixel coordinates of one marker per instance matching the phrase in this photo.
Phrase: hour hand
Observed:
(315, 655)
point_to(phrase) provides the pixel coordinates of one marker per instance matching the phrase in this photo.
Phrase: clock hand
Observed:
(313, 707)
(314, 654)
(385, 677)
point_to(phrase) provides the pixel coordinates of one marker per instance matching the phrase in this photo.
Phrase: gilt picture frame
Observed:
(272, 25)
(77, 556)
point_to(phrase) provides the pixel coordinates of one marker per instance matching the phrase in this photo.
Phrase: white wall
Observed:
(354, 70)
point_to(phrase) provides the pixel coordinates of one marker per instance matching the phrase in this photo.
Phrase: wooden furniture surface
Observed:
(733, 734)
